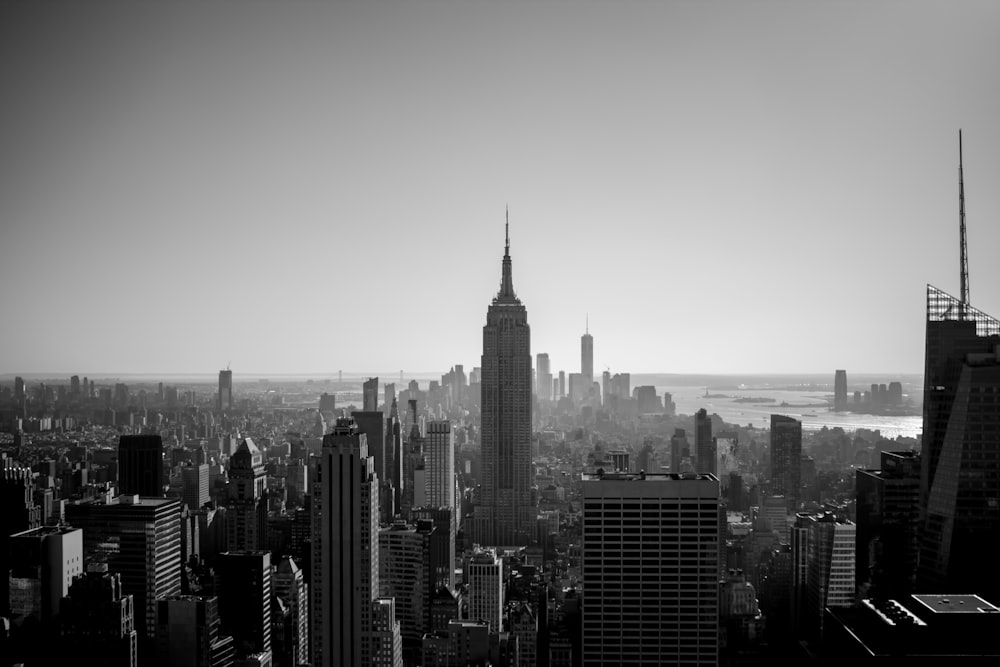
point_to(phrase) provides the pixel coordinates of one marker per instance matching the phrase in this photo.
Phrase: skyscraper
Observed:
(369, 398)
(840, 391)
(650, 565)
(786, 459)
(888, 525)
(97, 620)
(830, 570)
(140, 539)
(345, 577)
(246, 516)
(505, 515)
(194, 480)
(243, 586)
(960, 470)
(587, 356)
(43, 562)
(439, 465)
(290, 587)
(704, 444)
(140, 465)
(189, 632)
(225, 390)
(486, 589)
(543, 377)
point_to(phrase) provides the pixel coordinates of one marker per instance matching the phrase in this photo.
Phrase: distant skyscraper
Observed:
(225, 390)
(243, 586)
(505, 515)
(372, 424)
(345, 577)
(587, 356)
(960, 469)
(140, 539)
(246, 515)
(786, 459)
(369, 400)
(840, 391)
(633, 551)
(543, 376)
(679, 450)
(888, 525)
(97, 621)
(140, 465)
(704, 443)
(562, 384)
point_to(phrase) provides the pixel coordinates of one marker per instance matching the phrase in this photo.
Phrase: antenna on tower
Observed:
(964, 295)
(507, 231)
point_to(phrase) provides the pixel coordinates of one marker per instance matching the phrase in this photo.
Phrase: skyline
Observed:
(306, 189)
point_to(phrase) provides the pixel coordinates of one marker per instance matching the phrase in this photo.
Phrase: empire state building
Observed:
(505, 514)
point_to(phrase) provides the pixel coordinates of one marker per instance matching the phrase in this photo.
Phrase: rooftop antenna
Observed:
(588, 324)
(964, 298)
(507, 231)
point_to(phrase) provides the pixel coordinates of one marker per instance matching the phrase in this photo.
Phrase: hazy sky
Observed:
(297, 188)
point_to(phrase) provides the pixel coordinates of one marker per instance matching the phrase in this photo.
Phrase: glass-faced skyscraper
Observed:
(960, 469)
(505, 515)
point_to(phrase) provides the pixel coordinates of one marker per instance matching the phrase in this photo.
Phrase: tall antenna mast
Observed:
(964, 297)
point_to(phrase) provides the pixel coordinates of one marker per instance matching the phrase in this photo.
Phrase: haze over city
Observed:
(719, 187)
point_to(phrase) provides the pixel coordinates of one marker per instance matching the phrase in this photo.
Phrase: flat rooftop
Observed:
(956, 604)
(650, 477)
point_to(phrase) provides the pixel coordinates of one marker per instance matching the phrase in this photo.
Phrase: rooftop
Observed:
(648, 476)
(956, 604)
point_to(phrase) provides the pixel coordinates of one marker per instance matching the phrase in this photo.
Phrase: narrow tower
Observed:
(504, 515)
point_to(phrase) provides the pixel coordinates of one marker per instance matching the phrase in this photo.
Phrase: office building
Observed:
(405, 573)
(828, 542)
(19, 513)
(485, 573)
(43, 563)
(505, 514)
(439, 466)
(243, 586)
(888, 525)
(650, 565)
(587, 356)
(840, 391)
(562, 385)
(345, 569)
(373, 425)
(786, 459)
(140, 465)
(225, 390)
(246, 515)
(290, 588)
(194, 483)
(139, 539)
(680, 450)
(369, 395)
(387, 643)
(960, 470)
(97, 622)
(189, 632)
(704, 443)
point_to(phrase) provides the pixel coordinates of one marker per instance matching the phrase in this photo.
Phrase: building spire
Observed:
(506, 283)
(964, 278)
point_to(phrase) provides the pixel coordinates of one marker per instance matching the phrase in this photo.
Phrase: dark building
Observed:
(140, 540)
(369, 402)
(243, 586)
(960, 469)
(786, 459)
(704, 443)
(18, 513)
(913, 630)
(888, 525)
(372, 424)
(246, 516)
(679, 450)
(97, 622)
(225, 390)
(188, 633)
(505, 515)
(140, 465)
